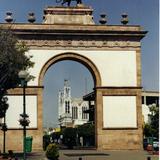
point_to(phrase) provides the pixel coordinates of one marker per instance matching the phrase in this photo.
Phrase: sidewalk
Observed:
(95, 155)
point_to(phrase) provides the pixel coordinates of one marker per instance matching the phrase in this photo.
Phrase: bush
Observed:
(69, 136)
(52, 151)
(46, 141)
(87, 131)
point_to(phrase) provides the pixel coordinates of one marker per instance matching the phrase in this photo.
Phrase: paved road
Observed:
(96, 155)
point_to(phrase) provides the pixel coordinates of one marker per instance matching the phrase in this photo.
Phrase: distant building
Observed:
(91, 102)
(70, 109)
(149, 98)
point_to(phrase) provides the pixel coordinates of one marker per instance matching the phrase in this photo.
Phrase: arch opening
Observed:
(75, 57)
(87, 64)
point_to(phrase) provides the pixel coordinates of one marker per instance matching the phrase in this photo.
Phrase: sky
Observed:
(80, 80)
(140, 12)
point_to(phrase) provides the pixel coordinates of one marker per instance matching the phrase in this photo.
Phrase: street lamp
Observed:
(24, 118)
(0, 122)
(4, 129)
(3, 125)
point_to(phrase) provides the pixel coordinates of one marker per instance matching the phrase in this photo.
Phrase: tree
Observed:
(154, 119)
(147, 130)
(12, 60)
(69, 137)
(87, 131)
(152, 128)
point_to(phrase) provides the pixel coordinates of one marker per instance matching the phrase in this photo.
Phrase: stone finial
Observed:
(31, 17)
(9, 18)
(124, 20)
(103, 19)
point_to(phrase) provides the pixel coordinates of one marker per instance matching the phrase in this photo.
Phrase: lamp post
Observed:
(3, 125)
(0, 122)
(24, 121)
(4, 129)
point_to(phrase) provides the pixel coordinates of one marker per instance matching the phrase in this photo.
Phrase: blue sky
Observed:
(80, 79)
(140, 12)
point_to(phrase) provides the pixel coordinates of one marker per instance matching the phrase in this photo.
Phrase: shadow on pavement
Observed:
(85, 154)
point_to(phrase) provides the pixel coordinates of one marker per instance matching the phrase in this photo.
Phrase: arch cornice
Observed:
(75, 57)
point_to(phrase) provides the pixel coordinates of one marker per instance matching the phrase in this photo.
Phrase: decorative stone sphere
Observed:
(103, 19)
(9, 18)
(124, 20)
(31, 17)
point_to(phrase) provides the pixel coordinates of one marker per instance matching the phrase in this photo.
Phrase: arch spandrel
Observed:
(75, 57)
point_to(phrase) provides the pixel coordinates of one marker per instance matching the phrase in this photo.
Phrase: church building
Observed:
(70, 109)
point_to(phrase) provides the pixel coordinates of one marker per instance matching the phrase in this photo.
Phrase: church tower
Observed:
(64, 105)
(71, 109)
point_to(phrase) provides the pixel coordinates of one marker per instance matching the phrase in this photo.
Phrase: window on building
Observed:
(67, 107)
(84, 115)
(142, 99)
(74, 112)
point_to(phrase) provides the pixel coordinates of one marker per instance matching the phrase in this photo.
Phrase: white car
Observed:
(155, 144)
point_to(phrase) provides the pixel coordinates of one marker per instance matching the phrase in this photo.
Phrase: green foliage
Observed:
(69, 136)
(152, 128)
(46, 141)
(154, 117)
(3, 106)
(12, 60)
(86, 130)
(69, 132)
(147, 130)
(52, 151)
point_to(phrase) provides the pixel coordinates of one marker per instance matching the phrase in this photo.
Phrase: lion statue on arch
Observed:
(68, 2)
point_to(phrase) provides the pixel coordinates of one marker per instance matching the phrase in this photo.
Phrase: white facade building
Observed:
(70, 110)
(149, 98)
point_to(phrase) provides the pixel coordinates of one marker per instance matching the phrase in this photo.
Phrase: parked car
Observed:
(156, 145)
(151, 141)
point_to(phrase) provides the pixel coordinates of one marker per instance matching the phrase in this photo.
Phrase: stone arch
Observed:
(84, 61)
(75, 57)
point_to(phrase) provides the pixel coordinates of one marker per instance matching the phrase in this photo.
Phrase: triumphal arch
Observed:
(112, 53)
